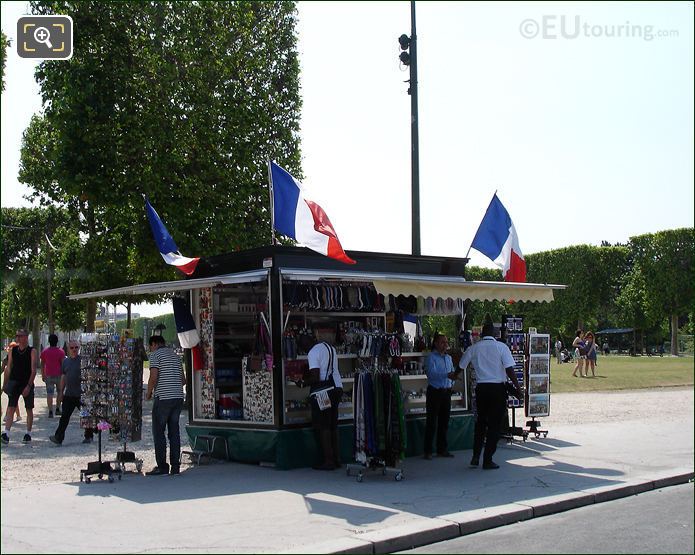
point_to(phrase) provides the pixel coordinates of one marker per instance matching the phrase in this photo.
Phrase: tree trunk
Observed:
(91, 314)
(129, 307)
(674, 334)
(643, 347)
(36, 332)
(49, 272)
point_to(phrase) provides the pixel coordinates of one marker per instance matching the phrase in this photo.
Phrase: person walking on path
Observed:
(493, 363)
(5, 359)
(18, 381)
(166, 386)
(70, 390)
(440, 376)
(51, 360)
(558, 351)
(579, 353)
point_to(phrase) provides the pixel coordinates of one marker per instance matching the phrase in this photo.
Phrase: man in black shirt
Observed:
(18, 381)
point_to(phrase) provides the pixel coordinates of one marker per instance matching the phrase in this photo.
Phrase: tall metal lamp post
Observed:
(408, 57)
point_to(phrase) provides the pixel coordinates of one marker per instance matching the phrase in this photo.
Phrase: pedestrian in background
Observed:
(5, 357)
(591, 354)
(18, 381)
(70, 390)
(579, 353)
(51, 360)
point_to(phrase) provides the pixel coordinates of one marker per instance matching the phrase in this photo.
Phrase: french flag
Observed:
(167, 248)
(496, 238)
(301, 219)
(185, 325)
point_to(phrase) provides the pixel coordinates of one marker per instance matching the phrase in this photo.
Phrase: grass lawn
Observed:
(624, 372)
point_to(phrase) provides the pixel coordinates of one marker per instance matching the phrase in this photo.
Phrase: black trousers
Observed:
(68, 407)
(491, 400)
(438, 411)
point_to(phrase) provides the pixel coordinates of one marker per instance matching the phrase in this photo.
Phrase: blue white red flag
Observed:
(496, 238)
(185, 325)
(302, 219)
(167, 248)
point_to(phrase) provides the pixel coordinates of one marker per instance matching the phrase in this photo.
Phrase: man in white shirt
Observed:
(493, 363)
(325, 394)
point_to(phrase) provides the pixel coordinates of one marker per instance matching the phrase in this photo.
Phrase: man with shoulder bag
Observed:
(326, 390)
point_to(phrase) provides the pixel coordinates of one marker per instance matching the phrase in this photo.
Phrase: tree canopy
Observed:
(183, 102)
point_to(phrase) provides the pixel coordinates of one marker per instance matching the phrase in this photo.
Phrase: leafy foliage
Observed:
(184, 102)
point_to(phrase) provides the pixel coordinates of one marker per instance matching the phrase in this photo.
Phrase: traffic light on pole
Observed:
(404, 41)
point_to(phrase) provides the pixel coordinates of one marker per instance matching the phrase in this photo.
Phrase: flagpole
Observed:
(476, 231)
(273, 240)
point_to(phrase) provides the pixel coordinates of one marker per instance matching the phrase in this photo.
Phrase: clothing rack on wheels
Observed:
(379, 424)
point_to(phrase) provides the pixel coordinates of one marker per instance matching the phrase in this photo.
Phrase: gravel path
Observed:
(43, 462)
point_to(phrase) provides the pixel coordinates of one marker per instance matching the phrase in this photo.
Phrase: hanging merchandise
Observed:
(379, 422)
(109, 367)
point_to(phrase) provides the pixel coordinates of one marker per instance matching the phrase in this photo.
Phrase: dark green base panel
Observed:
(297, 448)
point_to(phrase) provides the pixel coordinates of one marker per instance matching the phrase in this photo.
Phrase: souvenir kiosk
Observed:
(254, 309)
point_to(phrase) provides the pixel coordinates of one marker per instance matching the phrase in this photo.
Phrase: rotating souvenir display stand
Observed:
(111, 373)
(95, 401)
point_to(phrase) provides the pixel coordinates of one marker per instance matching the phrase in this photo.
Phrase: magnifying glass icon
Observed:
(42, 35)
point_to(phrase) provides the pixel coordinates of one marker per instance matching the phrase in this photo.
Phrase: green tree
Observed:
(184, 102)
(664, 261)
(33, 285)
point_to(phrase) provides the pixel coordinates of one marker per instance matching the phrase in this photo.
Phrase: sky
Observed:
(579, 115)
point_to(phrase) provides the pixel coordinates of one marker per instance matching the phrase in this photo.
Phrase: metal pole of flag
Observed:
(273, 240)
(415, 160)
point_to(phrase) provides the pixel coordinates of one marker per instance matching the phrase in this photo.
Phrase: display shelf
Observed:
(220, 315)
(414, 354)
(340, 356)
(235, 336)
(330, 314)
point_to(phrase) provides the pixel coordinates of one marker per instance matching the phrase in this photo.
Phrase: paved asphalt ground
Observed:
(230, 507)
(657, 521)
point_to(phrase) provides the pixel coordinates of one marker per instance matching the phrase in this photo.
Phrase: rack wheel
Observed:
(138, 466)
(359, 477)
(399, 477)
(110, 479)
(101, 476)
(538, 435)
(545, 434)
(81, 477)
(87, 479)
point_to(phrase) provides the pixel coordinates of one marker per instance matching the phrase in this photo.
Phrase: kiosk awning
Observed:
(178, 285)
(437, 286)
